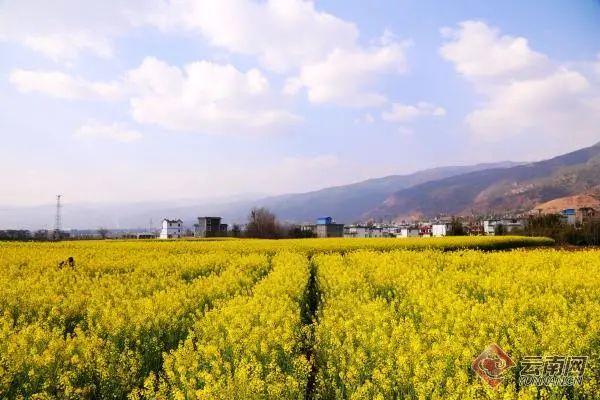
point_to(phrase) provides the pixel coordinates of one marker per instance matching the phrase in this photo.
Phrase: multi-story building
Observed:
(171, 229)
(210, 227)
(326, 227)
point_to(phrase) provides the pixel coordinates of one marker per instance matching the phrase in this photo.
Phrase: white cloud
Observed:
(116, 131)
(478, 50)
(283, 34)
(200, 97)
(67, 46)
(62, 29)
(527, 98)
(204, 96)
(318, 50)
(287, 36)
(406, 113)
(61, 85)
(552, 104)
(346, 77)
(293, 36)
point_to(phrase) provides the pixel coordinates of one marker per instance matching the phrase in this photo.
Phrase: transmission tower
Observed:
(57, 221)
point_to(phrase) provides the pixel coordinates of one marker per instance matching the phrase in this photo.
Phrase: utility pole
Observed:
(57, 221)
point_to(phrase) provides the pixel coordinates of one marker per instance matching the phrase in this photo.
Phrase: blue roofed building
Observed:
(326, 227)
(324, 220)
(569, 215)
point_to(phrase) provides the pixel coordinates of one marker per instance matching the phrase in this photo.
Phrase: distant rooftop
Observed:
(172, 220)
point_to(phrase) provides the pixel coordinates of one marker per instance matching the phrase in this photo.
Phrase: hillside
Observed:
(497, 190)
(349, 202)
(577, 201)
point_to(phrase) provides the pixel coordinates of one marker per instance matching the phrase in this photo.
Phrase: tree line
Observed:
(263, 224)
(585, 234)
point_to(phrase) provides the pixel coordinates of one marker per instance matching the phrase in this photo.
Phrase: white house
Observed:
(438, 230)
(409, 232)
(171, 229)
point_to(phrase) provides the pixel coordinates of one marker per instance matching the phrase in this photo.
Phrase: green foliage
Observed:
(499, 230)
(456, 227)
(554, 226)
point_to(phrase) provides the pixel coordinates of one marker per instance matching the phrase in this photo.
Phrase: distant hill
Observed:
(347, 203)
(575, 202)
(497, 190)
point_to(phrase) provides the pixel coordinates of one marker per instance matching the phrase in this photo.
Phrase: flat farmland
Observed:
(292, 319)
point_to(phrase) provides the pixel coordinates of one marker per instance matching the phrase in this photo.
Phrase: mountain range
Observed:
(453, 190)
(497, 190)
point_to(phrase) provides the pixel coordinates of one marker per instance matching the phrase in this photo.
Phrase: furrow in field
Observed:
(251, 347)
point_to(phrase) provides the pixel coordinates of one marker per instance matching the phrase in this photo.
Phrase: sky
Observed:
(144, 100)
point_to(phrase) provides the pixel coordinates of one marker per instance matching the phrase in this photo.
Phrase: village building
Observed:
(363, 231)
(425, 230)
(507, 225)
(474, 229)
(209, 227)
(569, 215)
(171, 229)
(409, 232)
(145, 235)
(587, 215)
(326, 227)
(440, 229)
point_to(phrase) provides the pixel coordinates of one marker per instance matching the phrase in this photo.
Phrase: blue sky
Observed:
(161, 100)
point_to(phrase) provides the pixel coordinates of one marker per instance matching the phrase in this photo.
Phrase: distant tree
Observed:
(263, 224)
(296, 232)
(236, 230)
(13, 234)
(41, 234)
(555, 227)
(590, 234)
(549, 225)
(499, 230)
(103, 232)
(456, 227)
